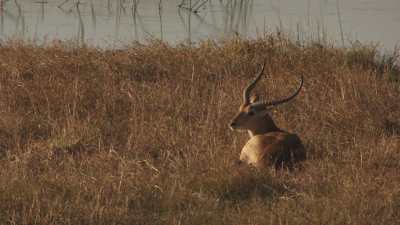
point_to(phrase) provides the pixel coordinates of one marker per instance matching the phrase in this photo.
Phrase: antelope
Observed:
(268, 144)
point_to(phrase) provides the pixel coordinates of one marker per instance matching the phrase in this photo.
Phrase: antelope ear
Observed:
(253, 98)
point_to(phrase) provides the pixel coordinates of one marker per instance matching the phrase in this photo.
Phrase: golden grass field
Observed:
(140, 135)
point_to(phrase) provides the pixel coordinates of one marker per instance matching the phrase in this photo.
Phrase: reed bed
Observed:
(140, 135)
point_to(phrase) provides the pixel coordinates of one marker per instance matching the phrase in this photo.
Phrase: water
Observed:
(113, 23)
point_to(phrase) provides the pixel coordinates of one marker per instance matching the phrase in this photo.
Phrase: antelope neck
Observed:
(267, 125)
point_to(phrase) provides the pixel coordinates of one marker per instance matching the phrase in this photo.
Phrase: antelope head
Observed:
(253, 113)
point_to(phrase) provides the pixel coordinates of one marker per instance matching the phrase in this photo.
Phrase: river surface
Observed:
(114, 23)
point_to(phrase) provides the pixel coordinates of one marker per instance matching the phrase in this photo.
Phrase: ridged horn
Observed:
(280, 101)
(247, 90)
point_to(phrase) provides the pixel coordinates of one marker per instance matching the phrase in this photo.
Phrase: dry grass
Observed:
(140, 136)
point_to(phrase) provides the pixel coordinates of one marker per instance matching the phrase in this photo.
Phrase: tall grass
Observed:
(140, 135)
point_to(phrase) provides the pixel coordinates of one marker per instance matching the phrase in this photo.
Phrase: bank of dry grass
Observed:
(140, 136)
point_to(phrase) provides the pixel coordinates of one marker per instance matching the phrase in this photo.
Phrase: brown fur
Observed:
(268, 145)
(280, 149)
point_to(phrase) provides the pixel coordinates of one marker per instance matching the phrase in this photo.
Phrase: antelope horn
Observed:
(247, 90)
(278, 102)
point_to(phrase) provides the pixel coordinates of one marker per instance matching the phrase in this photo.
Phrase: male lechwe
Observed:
(268, 144)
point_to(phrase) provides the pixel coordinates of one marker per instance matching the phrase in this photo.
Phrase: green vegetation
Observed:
(140, 135)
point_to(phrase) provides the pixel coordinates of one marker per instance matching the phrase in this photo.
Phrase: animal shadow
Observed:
(247, 182)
